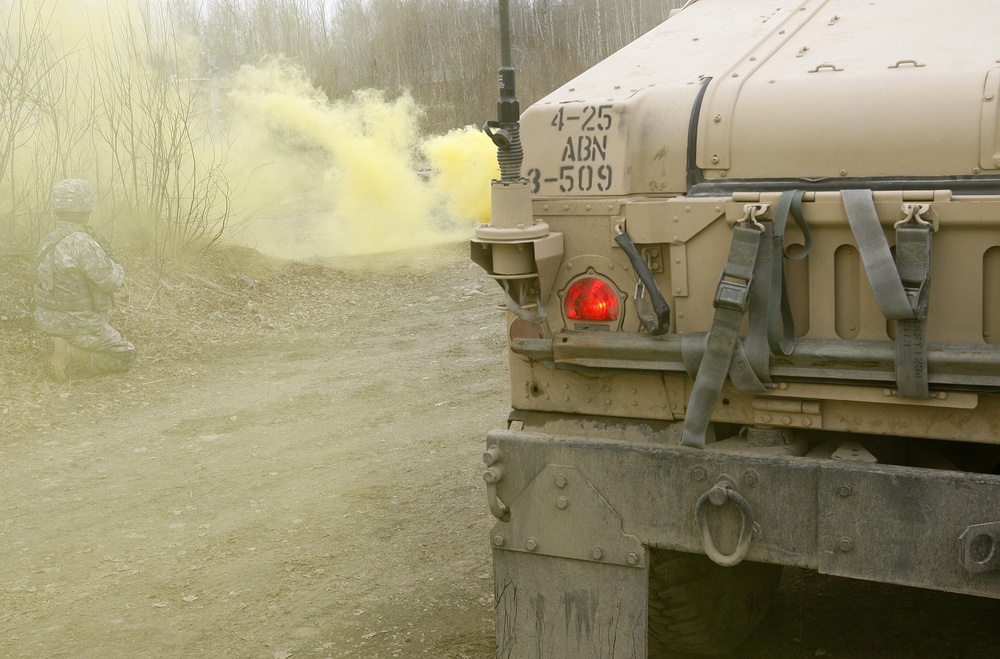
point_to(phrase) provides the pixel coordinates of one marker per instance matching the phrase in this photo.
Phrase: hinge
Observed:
(790, 412)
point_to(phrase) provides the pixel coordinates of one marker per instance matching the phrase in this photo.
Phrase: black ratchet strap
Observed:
(901, 288)
(655, 320)
(732, 299)
(757, 254)
(780, 324)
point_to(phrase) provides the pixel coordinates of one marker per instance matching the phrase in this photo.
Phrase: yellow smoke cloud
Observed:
(351, 168)
(464, 162)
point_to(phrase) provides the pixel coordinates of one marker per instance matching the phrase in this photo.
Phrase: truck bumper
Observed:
(581, 505)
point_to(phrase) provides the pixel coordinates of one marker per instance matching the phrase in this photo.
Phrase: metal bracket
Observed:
(979, 547)
(853, 452)
(653, 256)
(561, 513)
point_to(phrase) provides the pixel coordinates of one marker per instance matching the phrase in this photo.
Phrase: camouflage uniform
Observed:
(73, 293)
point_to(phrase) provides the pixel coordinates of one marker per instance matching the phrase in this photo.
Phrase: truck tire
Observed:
(698, 607)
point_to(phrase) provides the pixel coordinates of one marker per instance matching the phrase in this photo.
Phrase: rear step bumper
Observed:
(605, 500)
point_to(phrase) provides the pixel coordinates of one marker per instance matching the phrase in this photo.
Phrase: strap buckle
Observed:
(732, 295)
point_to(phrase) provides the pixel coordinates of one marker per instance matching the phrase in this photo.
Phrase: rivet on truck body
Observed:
(531, 544)
(561, 503)
(498, 540)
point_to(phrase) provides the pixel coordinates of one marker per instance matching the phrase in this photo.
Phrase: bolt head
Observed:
(531, 544)
(750, 478)
(699, 473)
(632, 558)
(597, 553)
(498, 540)
(491, 455)
(560, 481)
(845, 490)
(561, 503)
(718, 495)
(845, 544)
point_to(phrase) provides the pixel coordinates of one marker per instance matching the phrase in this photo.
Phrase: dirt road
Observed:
(317, 492)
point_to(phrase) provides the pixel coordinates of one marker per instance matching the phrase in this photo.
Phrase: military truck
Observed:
(751, 272)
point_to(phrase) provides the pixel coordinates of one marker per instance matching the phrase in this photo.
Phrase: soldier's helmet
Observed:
(73, 199)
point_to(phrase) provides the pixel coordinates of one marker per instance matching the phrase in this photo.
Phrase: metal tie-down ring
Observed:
(718, 495)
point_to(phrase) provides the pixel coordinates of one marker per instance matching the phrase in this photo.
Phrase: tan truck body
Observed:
(698, 128)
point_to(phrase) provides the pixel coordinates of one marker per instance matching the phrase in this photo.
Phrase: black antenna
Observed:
(505, 132)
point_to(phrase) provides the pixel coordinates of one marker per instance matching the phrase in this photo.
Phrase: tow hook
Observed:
(718, 495)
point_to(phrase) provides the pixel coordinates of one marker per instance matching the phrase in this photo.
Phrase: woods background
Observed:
(145, 98)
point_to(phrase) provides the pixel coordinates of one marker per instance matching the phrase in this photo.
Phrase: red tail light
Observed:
(591, 299)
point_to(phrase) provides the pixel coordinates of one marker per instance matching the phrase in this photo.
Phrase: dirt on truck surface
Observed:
(293, 469)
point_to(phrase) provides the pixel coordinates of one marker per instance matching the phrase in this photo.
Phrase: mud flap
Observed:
(569, 582)
(547, 606)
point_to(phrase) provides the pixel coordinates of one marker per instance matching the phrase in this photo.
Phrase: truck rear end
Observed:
(751, 267)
